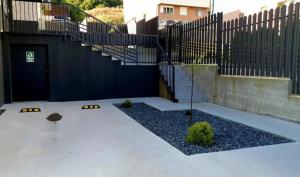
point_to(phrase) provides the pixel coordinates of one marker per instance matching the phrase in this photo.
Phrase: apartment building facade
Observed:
(168, 11)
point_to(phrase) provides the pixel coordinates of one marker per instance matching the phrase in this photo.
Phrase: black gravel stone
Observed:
(172, 126)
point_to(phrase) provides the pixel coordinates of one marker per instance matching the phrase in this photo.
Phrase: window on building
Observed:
(183, 10)
(167, 10)
(200, 12)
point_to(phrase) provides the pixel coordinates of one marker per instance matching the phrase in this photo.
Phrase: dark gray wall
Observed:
(78, 73)
(1, 74)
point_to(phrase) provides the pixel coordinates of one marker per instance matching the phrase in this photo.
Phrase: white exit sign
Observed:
(29, 56)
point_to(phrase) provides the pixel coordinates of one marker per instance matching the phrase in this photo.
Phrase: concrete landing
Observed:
(107, 143)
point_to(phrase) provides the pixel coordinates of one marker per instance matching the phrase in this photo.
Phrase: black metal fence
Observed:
(137, 49)
(266, 44)
(122, 28)
(45, 17)
(194, 42)
(147, 27)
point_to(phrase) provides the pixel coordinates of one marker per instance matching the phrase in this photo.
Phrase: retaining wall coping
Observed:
(255, 77)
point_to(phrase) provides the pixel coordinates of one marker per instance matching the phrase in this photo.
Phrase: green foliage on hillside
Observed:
(109, 11)
(112, 3)
(90, 4)
(110, 15)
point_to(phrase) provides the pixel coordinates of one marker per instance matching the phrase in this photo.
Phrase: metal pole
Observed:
(192, 94)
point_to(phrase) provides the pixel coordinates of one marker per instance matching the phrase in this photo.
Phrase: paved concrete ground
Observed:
(108, 143)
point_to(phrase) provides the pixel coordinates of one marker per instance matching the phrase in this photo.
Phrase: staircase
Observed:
(78, 26)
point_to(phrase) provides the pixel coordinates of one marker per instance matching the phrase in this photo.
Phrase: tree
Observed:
(111, 3)
(192, 94)
(88, 4)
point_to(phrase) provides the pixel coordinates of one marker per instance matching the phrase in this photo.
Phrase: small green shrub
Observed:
(201, 133)
(127, 104)
(188, 112)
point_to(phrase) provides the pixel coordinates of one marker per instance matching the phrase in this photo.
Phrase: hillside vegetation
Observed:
(111, 15)
(90, 4)
(108, 11)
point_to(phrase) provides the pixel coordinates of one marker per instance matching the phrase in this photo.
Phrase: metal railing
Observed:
(31, 17)
(138, 49)
(64, 19)
(166, 67)
(46, 17)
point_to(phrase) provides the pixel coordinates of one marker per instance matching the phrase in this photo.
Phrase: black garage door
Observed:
(29, 72)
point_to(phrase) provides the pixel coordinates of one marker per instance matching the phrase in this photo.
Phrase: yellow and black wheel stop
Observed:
(24, 110)
(90, 107)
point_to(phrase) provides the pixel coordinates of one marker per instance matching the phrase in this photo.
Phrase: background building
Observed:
(168, 11)
(247, 6)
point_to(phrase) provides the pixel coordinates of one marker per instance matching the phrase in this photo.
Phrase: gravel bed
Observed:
(172, 126)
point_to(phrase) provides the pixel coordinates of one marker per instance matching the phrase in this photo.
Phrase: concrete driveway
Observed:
(108, 143)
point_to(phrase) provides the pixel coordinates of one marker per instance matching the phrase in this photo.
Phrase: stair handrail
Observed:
(120, 50)
(97, 44)
(165, 54)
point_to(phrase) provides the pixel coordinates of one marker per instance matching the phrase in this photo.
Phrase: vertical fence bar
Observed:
(282, 42)
(214, 42)
(208, 31)
(232, 23)
(289, 40)
(180, 42)
(193, 42)
(224, 62)
(248, 46)
(264, 51)
(205, 41)
(202, 40)
(275, 43)
(219, 40)
(259, 46)
(234, 45)
(270, 41)
(170, 43)
(239, 43)
(227, 47)
(190, 43)
(253, 46)
(295, 50)
(197, 41)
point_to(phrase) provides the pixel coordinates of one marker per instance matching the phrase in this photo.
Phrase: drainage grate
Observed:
(90, 107)
(54, 117)
(24, 110)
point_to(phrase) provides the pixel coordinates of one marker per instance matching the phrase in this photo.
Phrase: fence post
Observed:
(158, 51)
(9, 15)
(180, 42)
(169, 42)
(219, 40)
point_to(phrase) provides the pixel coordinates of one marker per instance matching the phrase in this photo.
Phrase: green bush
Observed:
(201, 133)
(127, 104)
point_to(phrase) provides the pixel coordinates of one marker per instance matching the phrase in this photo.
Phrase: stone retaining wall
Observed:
(261, 95)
